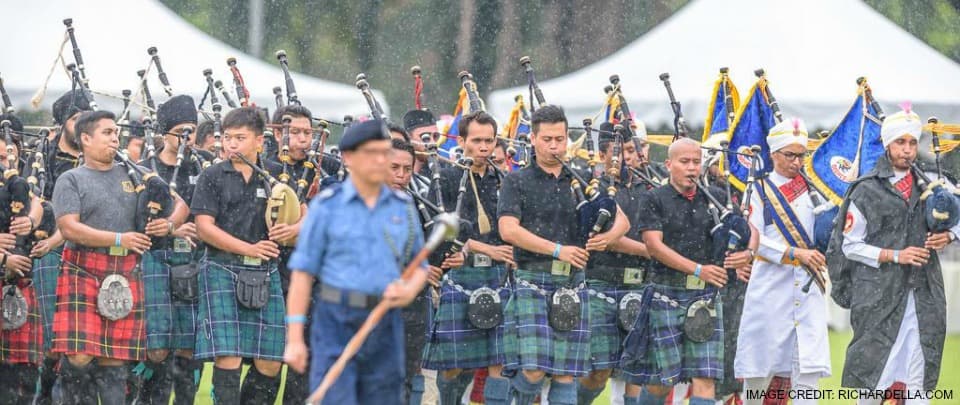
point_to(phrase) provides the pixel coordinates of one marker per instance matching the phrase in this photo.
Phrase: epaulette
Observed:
(328, 192)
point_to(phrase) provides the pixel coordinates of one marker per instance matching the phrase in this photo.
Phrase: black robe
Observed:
(877, 298)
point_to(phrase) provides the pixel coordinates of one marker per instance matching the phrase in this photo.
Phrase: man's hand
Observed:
(296, 355)
(737, 260)
(811, 258)
(743, 273)
(574, 255)
(187, 231)
(41, 248)
(265, 249)
(135, 241)
(502, 253)
(8, 241)
(935, 241)
(600, 241)
(434, 275)
(714, 275)
(283, 232)
(914, 256)
(19, 264)
(399, 294)
(159, 227)
(21, 225)
(453, 260)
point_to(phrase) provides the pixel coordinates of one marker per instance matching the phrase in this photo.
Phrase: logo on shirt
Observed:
(193, 180)
(843, 169)
(261, 193)
(848, 223)
(127, 186)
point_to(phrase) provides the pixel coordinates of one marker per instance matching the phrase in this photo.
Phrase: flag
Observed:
(611, 107)
(750, 127)
(717, 111)
(850, 151)
(448, 139)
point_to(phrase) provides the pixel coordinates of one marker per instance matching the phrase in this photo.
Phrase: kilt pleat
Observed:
(171, 323)
(78, 328)
(24, 345)
(606, 337)
(225, 328)
(46, 270)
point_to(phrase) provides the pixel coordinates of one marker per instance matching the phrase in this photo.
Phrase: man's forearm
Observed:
(298, 302)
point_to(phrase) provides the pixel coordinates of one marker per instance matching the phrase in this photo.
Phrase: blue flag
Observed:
(851, 151)
(717, 110)
(750, 127)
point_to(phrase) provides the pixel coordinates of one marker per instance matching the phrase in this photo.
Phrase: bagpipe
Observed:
(154, 197)
(16, 196)
(679, 123)
(288, 80)
(79, 73)
(592, 205)
(941, 206)
(535, 92)
(242, 93)
(283, 206)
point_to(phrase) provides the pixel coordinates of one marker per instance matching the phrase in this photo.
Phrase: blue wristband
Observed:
(116, 241)
(896, 257)
(556, 251)
(696, 272)
(791, 254)
(295, 319)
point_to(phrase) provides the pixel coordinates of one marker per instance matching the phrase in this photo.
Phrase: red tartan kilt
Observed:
(24, 344)
(77, 326)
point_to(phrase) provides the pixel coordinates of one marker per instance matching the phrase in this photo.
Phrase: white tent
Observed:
(114, 35)
(812, 51)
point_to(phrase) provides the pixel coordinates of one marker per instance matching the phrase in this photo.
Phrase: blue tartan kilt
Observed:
(46, 270)
(171, 323)
(606, 336)
(530, 343)
(454, 341)
(656, 351)
(225, 328)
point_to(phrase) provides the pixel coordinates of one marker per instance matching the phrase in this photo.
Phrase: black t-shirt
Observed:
(57, 163)
(628, 199)
(295, 171)
(187, 176)
(488, 188)
(544, 204)
(685, 225)
(238, 206)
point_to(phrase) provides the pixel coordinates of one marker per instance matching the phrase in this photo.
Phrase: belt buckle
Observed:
(356, 300)
(180, 245)
(559, 268)
(633, 275)
(251, 261)
(695, 283)
(118, 251)
(482, 260)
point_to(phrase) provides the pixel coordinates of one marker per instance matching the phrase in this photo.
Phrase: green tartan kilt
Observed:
(606, 336)
(46, 270)
(454, 341)
(530, 343)
(656, 351)
(171, 323)
(225, 328)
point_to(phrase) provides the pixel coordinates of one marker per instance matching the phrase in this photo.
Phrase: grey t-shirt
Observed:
(105, 200)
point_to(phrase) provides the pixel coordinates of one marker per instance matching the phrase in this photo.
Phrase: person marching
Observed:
(676, 225)
(897, 306)
(615, 276)
(783, 330)
(356, 238)
(537, 211)
(61, 153)
(466, 335)
(170, 268)
(100, 306)
(21, 338)
(240, 299)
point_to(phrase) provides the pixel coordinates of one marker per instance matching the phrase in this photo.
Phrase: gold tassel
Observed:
(37, 98)
(483, 222)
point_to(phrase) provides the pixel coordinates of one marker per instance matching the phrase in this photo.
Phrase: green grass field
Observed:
(949, 372)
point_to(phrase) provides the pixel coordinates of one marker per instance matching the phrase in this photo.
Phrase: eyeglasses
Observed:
(790, 156)
(497, 162)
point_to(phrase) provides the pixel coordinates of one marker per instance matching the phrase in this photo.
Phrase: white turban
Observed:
(787, 132)
(639, 130)
(904, 122)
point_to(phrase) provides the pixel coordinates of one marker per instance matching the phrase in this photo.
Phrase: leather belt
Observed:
(352, 299)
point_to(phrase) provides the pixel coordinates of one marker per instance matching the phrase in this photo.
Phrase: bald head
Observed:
(681, 146)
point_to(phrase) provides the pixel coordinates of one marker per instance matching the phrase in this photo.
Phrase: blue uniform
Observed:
(353, 248)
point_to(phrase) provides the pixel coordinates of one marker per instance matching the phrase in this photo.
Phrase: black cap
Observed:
(357, 134)
(15, 123)
(69, 104)
(175, 111)
(606, 132)
(414, 119)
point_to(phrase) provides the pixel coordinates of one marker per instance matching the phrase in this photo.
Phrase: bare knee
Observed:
(79, 360)
(495, 371)
(563, 379)
(534, 376)
(267, 367)
(632, 390)
(227, 363)
(158, 355)
(596, 379)
(105, 362)
(184, 353)
(702, 387)
(451, 374)
(658, 390)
